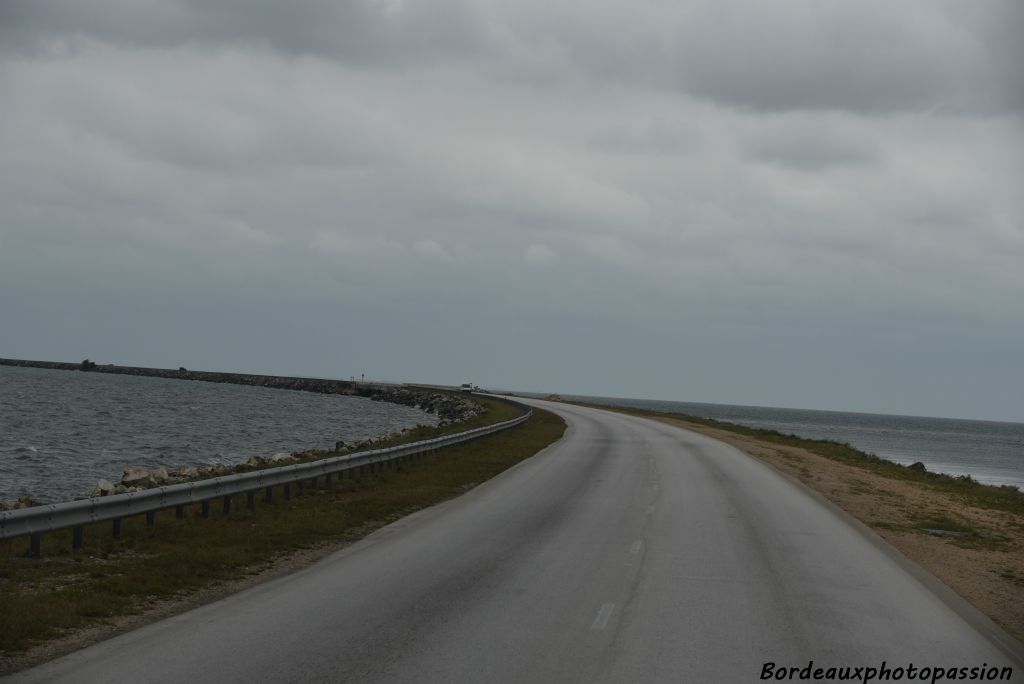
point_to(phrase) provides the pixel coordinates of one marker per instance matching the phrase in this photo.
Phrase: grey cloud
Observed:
(519, 178)
(864, 56)
(360, 31)
(871, 56)
(810, 154)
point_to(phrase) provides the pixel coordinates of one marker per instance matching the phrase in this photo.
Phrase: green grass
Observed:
(943, 522)
(966, 536)
(65, 589)
(966, 489)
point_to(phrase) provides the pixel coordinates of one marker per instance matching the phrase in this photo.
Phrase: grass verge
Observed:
(64, 591)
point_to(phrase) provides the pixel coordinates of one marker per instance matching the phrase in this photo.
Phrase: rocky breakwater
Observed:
(449, 408)
(136, 479)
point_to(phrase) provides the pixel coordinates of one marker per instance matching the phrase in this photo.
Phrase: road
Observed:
(630, 551)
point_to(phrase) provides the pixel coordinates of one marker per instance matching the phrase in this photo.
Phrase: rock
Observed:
(918, 466)
(120, 488)
(160, 475)
(103, 488)
(448, 408)
(185, 472)
(138, 477)
(25, 501)
(282, 457)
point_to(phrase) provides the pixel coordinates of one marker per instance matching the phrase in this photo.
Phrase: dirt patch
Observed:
(80, 638)
(977, 552)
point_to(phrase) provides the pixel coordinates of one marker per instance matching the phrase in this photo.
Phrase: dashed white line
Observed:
(601, 621)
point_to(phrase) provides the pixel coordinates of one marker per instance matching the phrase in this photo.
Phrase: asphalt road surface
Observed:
(630, 551)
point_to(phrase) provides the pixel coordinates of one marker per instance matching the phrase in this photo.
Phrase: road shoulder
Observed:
(976, 552)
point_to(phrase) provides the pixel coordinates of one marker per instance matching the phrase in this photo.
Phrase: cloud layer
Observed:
(658, 199)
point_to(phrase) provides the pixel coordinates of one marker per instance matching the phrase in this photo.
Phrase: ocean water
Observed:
(990, 452)
(60, 431)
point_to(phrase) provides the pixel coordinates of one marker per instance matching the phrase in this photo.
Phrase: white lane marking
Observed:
(635, 549)
(601, 621)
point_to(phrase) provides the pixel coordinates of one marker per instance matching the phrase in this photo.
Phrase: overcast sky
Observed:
(805, 203)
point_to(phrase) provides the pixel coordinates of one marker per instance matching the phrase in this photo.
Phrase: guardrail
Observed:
(38, 520)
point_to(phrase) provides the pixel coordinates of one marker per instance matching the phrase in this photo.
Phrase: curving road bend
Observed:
(630, 551)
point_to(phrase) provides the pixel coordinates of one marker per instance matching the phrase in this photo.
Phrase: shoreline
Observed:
(950, 448)
(442, 402)
(317, 385)
(322, 386)
(448, 406)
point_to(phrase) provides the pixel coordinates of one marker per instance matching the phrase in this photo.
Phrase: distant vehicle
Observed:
(467, 387)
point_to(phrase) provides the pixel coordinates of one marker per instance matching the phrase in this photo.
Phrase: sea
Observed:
(990, 452)
(61, 431)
